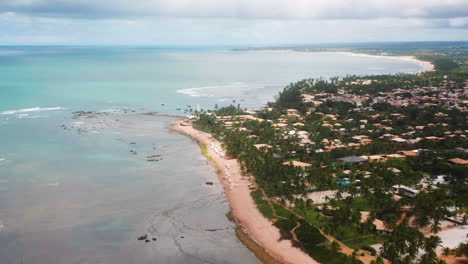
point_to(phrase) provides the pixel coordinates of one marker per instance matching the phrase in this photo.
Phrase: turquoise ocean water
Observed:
(81, 195)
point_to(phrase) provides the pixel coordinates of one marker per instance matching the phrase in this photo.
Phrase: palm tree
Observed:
(379, 260)
(354, 257)
(431, 243)
(335, 247)
(446, 252)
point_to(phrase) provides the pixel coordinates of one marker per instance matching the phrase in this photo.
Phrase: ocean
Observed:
(81, 188)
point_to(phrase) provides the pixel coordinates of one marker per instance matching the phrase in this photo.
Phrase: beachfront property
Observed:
(353, 160)
(378, 153)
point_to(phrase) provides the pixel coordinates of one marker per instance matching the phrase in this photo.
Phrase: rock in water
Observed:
(143, 237)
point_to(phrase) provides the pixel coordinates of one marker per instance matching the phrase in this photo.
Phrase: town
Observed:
(361, 169)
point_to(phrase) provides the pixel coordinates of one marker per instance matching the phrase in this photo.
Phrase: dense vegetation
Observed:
(348, 111)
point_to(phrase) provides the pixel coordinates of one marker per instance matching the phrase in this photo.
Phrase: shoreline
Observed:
(254, 230)
(426, 65)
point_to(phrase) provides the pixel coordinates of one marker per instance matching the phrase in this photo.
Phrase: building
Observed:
(409, 153)
(293, 112)
(380, 227)
(458, 161)
(296, 163)
(353, 160)
(405, 190)
(262, 146)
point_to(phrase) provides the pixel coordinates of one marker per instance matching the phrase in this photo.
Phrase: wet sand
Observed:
(244, 210)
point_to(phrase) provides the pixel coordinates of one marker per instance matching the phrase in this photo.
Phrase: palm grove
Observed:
(405, 140)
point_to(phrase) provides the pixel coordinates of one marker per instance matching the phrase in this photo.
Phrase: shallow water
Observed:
(76, 196)
(79, 194)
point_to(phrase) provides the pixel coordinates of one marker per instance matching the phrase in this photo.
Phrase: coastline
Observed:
(254, 230)
(426, 65)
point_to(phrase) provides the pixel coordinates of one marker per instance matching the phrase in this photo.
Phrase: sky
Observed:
(229, 22)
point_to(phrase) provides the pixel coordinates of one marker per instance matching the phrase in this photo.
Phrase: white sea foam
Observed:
(77, 124)
(111, 110)
(197, 92)
(26, 110)
(2, 159)
(37, 116)
(210, 91)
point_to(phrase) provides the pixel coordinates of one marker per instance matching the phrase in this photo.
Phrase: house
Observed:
(458, 161)
(460, 150)
(456, 216)
(292, 112)
(296, 163)
(387, 136)
(262, 146)
(308, 98)
(250, 117)
(376, 158)
(439, 180)
(408, 153)
(380, 227)
(279, 125)
(360, 138)
(353, 160)
(364, 216)
(395, 156)
(399, 140)
(405, 190)
(415, 140)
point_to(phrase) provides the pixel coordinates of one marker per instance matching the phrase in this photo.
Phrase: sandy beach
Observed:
(427, 65)
(243, 208)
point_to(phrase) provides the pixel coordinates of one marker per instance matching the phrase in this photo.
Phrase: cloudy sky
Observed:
(229, 22)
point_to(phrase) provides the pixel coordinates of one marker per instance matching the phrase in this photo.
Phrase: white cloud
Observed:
(261, 22)
(459, 22)
(252, 9)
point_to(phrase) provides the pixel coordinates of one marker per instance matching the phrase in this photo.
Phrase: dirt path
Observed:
(293, 232)
(366, 259)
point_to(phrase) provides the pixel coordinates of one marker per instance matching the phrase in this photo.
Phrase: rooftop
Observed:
(353, 159)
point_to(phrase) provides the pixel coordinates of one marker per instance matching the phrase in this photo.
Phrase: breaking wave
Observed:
(27, 110)
(211, 91)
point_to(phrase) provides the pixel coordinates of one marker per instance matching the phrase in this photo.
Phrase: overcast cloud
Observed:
(234, 22)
